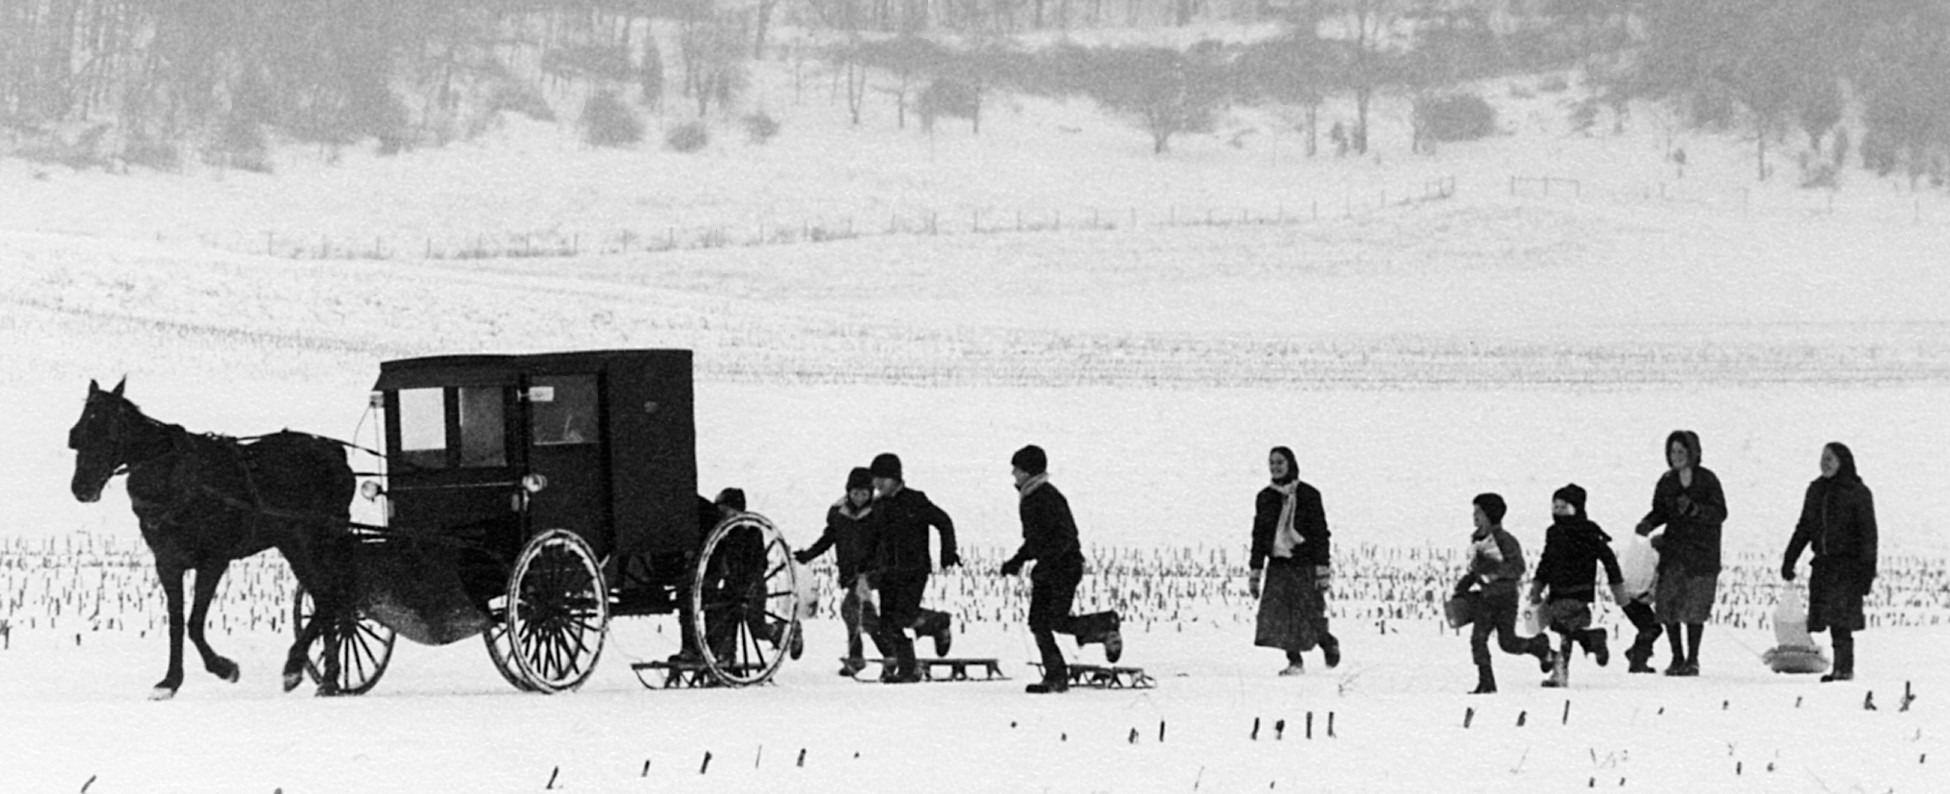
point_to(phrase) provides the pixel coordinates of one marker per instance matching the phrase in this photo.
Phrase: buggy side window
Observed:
(483, 431)
(564, 410)
(423, 427)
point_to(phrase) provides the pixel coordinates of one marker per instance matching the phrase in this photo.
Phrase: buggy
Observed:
(529, 499)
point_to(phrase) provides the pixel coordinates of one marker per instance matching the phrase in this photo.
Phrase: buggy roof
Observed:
(487, 368)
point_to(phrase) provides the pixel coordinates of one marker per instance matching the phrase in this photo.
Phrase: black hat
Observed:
(1031, 459)
(1492, 505)
(859, 478)
(733, 498)
(1571, 495)
(886, 464)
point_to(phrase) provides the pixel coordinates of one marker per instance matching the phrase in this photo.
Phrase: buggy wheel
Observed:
(501, 649)
(558, 611)
(364, 646)
(744, 600)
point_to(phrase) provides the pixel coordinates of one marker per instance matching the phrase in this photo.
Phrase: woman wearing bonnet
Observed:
(1290, 563)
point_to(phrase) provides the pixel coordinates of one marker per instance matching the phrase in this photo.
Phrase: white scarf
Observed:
(1031, 484)
(1285, 537)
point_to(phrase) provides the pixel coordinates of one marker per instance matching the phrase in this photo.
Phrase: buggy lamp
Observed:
(370, 490)
(534, 483)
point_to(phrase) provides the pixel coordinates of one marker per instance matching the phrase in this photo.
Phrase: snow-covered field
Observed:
(1413, 354)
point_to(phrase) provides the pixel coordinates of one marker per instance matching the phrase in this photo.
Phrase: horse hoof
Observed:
(228, 671)
(162, 693)
(292, 680)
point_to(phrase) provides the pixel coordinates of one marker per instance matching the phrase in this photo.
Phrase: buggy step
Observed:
(955, 668)
(1098, 676)
(684, 674)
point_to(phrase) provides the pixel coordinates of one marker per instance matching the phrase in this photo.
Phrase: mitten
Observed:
(1012, 566)
(1787, 571)
(1252, 581)
(802, 557)
(1643, 528)
(949, 559)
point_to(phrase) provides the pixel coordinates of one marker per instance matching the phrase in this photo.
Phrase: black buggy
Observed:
(528, 499)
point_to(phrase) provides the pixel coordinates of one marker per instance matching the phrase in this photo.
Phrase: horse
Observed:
(203, 500)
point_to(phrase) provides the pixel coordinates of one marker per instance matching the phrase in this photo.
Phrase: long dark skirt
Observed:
(1835, 595)
(1685, 597)
(1292, 612)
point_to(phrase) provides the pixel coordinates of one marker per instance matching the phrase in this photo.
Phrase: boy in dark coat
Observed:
(1049, 539)
(1838, 519)
(898, 551)
(1573, 548)
(846, 533)
(1689, 503)
(1291, 566)
(1495, 571)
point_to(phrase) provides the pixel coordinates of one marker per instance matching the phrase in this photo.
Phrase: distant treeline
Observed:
(154, 74)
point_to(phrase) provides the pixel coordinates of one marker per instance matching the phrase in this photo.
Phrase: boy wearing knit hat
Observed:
(897, 558)
(1049, 539)
(1573, 548)
(1496, 568)
(846, 533)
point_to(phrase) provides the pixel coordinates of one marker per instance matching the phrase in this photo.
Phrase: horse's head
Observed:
(100, 439)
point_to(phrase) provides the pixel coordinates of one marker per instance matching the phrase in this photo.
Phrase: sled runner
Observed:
(1099, 676)
(956, 669)
(684, 674)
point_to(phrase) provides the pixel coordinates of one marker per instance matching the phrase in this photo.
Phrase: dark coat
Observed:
(899, 534)
(1496, 563)
(1049, 535)
(1692, 515)
(1309, 519)
(847, 531)
(1838, 520)
(1574, 547)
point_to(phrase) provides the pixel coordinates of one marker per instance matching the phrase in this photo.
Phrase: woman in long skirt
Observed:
(1838, 519)
(1291, 566)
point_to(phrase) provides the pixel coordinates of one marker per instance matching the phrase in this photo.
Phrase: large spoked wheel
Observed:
(364, 647)
(744, 601)
(501, 649)
(557, 611)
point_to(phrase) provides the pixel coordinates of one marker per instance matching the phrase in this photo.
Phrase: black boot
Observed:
(1330, 650)
(1595, 645)
(1844, 657)
(1048, 686)
(1485, 681)
(1639, 656)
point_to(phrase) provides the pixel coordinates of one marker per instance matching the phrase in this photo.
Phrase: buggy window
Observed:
(423, 427)
(483, 433)
(564, 409)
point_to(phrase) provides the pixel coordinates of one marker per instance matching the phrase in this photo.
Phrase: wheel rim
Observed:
(365, 647)
(744, 600)
(557, 611)
(501, 649)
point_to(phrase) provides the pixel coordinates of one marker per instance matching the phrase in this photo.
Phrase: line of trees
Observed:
(165, 71)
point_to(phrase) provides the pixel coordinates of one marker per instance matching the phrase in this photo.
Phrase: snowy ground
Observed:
(1413, 354)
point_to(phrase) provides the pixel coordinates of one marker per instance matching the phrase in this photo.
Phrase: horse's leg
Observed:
(172, 584)
(327, 605)
(207, 577)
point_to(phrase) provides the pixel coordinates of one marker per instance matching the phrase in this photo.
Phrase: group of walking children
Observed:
(1675, 597)
(879, 532)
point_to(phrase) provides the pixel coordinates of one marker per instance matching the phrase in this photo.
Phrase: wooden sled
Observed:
(687, 674)
(952, 669)
(1097, 676)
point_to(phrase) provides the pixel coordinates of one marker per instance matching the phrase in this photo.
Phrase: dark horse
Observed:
(204, 500)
